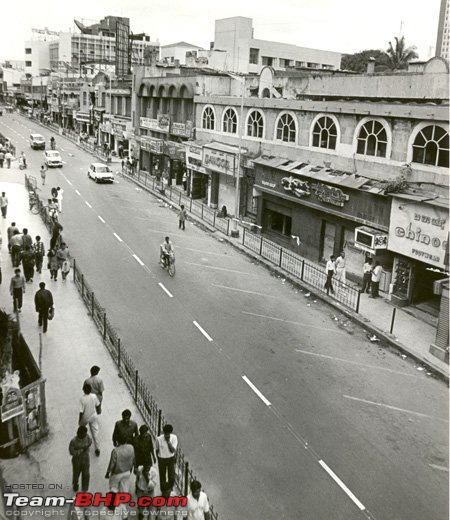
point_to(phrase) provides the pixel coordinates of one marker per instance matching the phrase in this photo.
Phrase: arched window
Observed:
(286, 129)
(255, 124)
(208, 119)
(324, 133)
(230, 121)
(431, 146)
(372, 139)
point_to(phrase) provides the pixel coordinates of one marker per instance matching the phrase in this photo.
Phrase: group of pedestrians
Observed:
(335, 269)
(6, 155)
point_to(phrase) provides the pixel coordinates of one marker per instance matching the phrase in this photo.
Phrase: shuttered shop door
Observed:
(442, 328)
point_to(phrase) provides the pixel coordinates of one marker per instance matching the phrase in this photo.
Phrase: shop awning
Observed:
(225, 148)
(424, 198)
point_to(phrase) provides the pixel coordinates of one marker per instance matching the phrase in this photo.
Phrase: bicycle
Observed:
(33, 201)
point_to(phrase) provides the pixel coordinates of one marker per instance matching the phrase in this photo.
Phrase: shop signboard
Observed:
(174, 150)
(12, 400)
(161, 124)
(182, 129)
(152, 144)
(219, 161)
(370, 240)
(419, 231)
(83, 117)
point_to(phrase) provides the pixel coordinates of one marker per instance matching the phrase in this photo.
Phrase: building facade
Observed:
(175, 53)
(442, 41)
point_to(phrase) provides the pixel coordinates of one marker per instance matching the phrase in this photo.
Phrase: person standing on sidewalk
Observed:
(88, 414)
(166, 447)
(10, 232)
(120, 466)
(62, 255)
(367, 275)
(8, 158)
(26, 239)
(2, 158)
(97, 386)
(17, 290)
(79, 449)
(27, 258)
(43, 301)
(197, 503)
(376, 277)
(4, 204)
(182, 217)
(143, 449)
(145, 486)
(44, 169)
(330, 269)
(16, 247)
(125, 428)
(39, 252)
(60, 192)
(53, 264)
(340, 268)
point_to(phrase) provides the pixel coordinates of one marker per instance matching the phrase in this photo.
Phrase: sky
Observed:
(345, 26)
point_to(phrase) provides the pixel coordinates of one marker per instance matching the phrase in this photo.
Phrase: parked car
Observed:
(100, 172)
(53, 159)
(37, 142)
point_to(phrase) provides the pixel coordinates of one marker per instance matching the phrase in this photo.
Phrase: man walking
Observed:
(197, 503)
(340, 268)
(17, 290)
(2, 158)
(166, 447)
(97, 387)
(88, 414)
(4, 204)
(44, 169)
(367, 275)
(79, 449)
(39, 252)
(43, 301)
(330, 269)
(8, 158)
(120, 465)
(27, 258)
(60, 198)
(16, 247)
(26, 239)
(10, 232)
(182, 217)
(126, 428)
(376, 277)
(143, 449)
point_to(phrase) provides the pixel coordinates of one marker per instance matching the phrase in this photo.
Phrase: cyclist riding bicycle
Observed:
(166, 251)
(52, 143)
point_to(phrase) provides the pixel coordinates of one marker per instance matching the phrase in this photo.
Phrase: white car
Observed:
(52, 158)
(100, 172)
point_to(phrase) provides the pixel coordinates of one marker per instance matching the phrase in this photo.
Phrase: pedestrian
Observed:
(197, 503)
(184, 181)
(79, 449)
(367, 275)
(330, 269)
(28, 261)
(56, 238)
(39, 251)
(120, 465)
(2, 158)
(376, 277)
(182, 217)
(143, 449)
(10, 233)
(59, 197)
(44, 169)
(8, 158)
(43, 301)
(166, 447)
(16, 247)
(88, 414)
(53, 264)
(145, 486)
(26, 239)
(62, 255)
(17, 290)
(54, 193)
(4, 204)
(340, 268)
(97, 386)
(125, 428)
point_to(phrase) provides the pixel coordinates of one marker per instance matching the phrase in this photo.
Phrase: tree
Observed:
(399, 55)
(358, 62)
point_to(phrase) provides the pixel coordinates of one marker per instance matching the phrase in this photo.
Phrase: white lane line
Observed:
(101, 219)
(68, 182)
(395, 408)
(354, 363)
(217, 268)
(117, 236)
(138, 260)
(87, 204)
(293, 322)
(244, 291)
(440, 468)
(78, 193)
(62, 149)
(342, 485)
(257, 392)
(203, 331)
(169, 294)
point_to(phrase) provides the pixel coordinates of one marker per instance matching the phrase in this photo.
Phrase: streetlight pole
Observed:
(237, 201)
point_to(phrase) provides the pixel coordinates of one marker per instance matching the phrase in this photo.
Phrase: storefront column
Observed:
(213, 197)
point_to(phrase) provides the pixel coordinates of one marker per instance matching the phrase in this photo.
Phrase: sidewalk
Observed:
(411, 335)
(70, 347)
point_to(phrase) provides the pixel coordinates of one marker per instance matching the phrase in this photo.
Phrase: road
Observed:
(281, 412)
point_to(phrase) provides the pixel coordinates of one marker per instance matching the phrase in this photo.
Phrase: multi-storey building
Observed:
(442, 41)
(175, 53)
(343, 162)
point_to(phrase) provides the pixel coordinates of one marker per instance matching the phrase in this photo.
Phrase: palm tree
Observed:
(399, 55)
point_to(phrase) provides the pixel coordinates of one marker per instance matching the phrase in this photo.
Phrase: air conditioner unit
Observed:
(370, 240)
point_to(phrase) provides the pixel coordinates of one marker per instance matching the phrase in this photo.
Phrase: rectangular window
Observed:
(284, 63)
(103, 99)
(128, 106)
(267, 60)
(254, 56)
(328, 237)
(27, 50)
(119, 105)
(28, 64)
(277, 222)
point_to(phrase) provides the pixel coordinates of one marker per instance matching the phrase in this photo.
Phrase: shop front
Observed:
(418, 236)
(308, 212)
(151, 158)
(84, 122)
(197, 178)
(119, 138)
(176, 161)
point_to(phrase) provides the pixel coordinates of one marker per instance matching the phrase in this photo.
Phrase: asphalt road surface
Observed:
(281, 412)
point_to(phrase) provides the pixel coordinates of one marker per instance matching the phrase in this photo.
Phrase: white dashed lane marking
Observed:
(87, 204)
(117, 236)
(203, 331)
(68, 182)
(342, 485)
(101, 219)
(257, 392)
(169, 294)
(78, 193)
(138, 260)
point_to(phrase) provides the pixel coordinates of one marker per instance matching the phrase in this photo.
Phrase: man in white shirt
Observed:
(330, 269)
(197, 503)
(60, 198)
(376, 277)
(367, 275)
(88, 414)
(166, 447)
(340, 268)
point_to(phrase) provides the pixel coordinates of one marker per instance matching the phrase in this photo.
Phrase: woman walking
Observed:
(53, 264)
